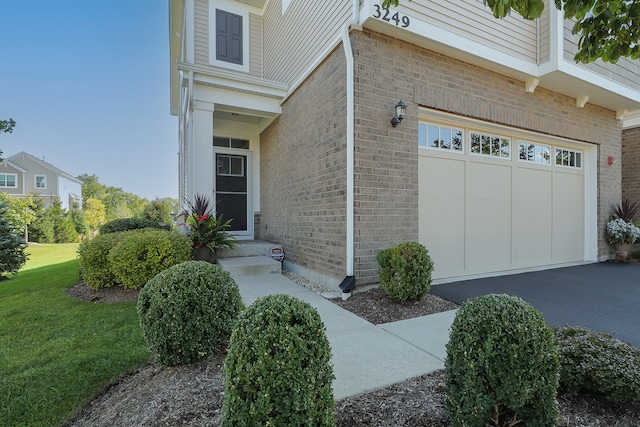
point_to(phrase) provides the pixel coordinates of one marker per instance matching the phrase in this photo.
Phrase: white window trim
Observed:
(35, 182)
(570, 150)
(491, 135)
(551, 148)
(230, 156)
(428, 146)
(233, 7)
(15, 175)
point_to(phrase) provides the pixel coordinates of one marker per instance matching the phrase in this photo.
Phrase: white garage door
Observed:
(495, 199)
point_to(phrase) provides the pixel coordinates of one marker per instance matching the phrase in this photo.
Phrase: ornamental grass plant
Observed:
(207, 230)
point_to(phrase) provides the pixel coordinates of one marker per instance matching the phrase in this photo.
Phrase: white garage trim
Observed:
(484, 211)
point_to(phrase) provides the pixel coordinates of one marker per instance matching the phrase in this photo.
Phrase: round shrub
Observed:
(598, 362)
(405, 271)
(141, 254)
(95, 268)
(187, 312)
(278, 370)
(126, 224)
(502, 364)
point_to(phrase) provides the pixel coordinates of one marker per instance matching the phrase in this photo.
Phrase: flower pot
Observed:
(623, 250)
(204, 254)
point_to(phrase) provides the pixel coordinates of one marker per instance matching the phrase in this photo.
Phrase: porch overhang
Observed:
(236, 97)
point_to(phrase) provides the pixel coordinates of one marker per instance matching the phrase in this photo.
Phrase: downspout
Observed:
(348, 284)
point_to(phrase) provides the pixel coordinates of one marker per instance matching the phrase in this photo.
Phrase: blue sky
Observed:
(87, 82)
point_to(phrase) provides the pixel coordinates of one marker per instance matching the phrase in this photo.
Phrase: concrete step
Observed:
(250, 265)
(248, 248)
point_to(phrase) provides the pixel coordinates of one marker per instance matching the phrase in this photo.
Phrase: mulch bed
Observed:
(193, 394)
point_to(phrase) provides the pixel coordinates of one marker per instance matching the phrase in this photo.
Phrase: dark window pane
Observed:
(228, 37)
(220, 142)
(239, 143)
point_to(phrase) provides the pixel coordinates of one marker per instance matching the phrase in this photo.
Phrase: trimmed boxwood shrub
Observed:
(187, 312)
(405, 271)
(278, 370)
(600, 363)
(95, 268)
(141, 254)
(126, 224)
(502, 365)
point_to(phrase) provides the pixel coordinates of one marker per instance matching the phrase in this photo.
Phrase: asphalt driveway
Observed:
(604, 297)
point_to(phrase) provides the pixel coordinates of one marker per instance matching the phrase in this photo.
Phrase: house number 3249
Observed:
(384, 14)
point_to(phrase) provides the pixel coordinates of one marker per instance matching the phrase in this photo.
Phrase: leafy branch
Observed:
(608, 29)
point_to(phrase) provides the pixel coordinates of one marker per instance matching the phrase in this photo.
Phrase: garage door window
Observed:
(535, 153)
(568, 158)
(490, 145)
(437, 137)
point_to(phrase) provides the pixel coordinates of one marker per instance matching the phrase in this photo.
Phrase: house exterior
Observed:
(508, 158)
(23, 174)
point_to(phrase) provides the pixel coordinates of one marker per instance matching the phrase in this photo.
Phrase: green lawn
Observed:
(56, 352)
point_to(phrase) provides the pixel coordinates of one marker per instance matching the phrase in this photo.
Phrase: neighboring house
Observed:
(508, 158)
(23, 174)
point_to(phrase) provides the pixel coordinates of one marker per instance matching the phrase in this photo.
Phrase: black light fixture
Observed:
(400, 111)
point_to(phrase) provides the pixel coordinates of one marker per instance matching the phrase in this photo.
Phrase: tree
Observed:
(64, 230)
(608, 29)
(12, 245)
(117, 203)
(20, 211)
(79, 220)
(41, 228)
(95, 213)
(159, 210)
(91, 187)
(6, 126)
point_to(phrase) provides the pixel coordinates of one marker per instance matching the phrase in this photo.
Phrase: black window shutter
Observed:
(228, 37)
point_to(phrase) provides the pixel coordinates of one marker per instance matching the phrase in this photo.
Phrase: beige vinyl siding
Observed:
(625, 71)
(512, 35)
(202, 32)
(544, 37)
(18, 189)
(293, 41)
(255, 45)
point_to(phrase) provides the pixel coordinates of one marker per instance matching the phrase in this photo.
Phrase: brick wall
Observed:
(303, 172)
(386, 159)
(303, 157)
(631, 164)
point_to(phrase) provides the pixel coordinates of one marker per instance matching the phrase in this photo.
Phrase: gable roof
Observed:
(6, 163)
(44, 164)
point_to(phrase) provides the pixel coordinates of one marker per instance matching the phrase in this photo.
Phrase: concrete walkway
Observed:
(365, 356)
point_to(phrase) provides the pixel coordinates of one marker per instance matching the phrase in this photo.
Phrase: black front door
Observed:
(231, 189)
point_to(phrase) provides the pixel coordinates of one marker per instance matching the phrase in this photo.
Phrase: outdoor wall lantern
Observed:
(401, 109)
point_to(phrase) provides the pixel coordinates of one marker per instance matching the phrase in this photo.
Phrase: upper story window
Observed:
(8, 180)
(536, 153)
(41, 182)
(490, 145)
(438, 137)
(229, 35)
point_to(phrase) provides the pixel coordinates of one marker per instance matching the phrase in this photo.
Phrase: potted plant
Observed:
(621, 231)
(208, 232)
